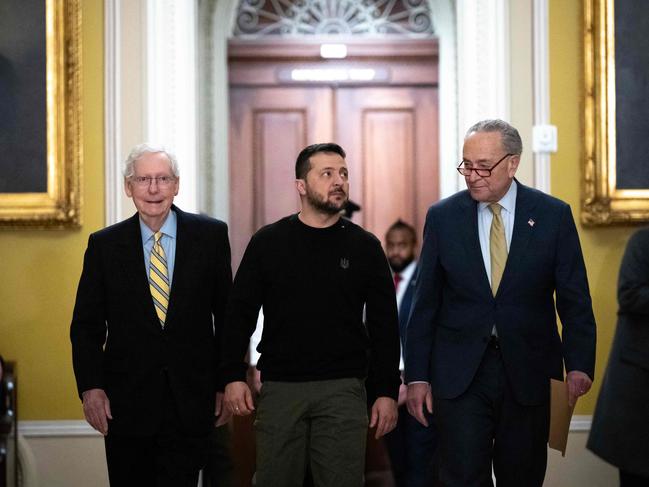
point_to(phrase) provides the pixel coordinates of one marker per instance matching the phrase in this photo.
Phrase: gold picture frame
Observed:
(603, 203)
(60, 205)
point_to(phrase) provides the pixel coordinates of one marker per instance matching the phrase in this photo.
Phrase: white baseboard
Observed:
(60, 428)
(580, 423)
(76, 428)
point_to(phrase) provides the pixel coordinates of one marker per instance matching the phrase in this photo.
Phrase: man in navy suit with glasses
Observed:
(146, 330)
(498, 262)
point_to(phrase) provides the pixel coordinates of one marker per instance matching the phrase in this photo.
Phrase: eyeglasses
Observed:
(483, 172)
(145, 181)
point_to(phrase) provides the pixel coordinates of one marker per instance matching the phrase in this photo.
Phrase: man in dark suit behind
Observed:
(146, 330)
(620, 430)
(410, 445)
(482, 337)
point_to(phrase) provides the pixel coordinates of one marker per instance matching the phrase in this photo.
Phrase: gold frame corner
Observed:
(602, 202)
(60, 206)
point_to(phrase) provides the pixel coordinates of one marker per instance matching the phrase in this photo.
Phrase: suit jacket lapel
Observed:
(131, 254)
(471, 241)
(523, 229)
(184, 236)
(406, 304)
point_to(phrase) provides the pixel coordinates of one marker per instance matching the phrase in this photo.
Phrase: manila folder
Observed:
(560, 415)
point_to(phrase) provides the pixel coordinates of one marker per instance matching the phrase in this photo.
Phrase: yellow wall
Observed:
(40, 268)
(602, 246)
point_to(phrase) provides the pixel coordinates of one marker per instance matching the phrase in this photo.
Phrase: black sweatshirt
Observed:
(313, 284)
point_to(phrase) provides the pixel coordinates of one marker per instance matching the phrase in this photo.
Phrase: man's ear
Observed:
(300, 185)
(513, 165)
(127, 188)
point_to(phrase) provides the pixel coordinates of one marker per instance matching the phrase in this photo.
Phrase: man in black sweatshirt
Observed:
(329, 315)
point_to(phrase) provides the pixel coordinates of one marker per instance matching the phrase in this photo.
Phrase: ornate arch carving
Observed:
(286, 18)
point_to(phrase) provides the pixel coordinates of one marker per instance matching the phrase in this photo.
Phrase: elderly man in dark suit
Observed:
(146, 330)
(482, 338)
(620, 429)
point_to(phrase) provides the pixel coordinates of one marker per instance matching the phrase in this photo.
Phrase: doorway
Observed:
(380, 103)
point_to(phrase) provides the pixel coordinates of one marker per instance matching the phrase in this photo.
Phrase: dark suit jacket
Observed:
(620, 429)
(454, 309)
(117, 342)
(405, 307)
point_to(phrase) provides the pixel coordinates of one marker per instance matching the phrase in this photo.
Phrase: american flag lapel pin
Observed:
(531, 222)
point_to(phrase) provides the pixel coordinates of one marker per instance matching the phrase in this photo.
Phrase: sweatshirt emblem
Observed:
(344, 263)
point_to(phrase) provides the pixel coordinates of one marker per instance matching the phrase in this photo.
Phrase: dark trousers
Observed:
(411, 447)
(628, 479)
(219, 470)
(322, 423)
(485, 426)
(169, 458)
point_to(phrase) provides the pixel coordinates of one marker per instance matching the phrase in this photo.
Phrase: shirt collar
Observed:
(406, 274)
(168, 227)
(508, 202)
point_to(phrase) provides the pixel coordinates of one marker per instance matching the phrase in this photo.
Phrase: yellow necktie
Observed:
(159, 279)
(497, 247)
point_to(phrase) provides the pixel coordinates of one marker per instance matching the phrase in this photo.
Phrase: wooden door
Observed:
(388, 127)
(390, 135)
(268, 128)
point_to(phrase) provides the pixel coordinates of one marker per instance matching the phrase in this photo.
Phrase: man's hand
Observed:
(223, 414)
(578, 384)
(96, 409)
(384, 416)
(418, 395)
(238, 398)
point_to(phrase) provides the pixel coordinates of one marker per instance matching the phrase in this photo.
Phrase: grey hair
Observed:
(141, 149)
(510, 137)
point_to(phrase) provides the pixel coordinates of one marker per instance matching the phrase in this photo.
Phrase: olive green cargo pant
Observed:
(322, 422)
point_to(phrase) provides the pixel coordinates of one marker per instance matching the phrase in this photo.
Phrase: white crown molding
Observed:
(541, 90)
(57, 429)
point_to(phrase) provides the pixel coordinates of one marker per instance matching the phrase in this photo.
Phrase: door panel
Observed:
(268, 128)
(388, 168)
(390, 135)
(279, 136)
